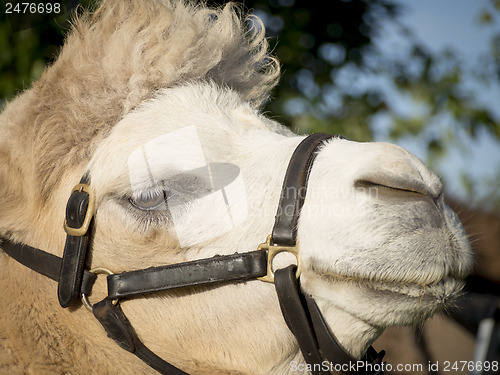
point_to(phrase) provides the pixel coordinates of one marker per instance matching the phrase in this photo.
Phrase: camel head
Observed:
(158, 103)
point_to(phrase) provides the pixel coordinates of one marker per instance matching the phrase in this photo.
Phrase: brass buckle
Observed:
(78, 232)
(85, 299)
(272, 251)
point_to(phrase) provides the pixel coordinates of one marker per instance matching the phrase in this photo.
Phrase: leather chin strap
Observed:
(318, 345)
(300, 312)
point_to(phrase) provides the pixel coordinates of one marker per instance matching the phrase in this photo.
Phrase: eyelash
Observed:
(182, 191)
(148, 218)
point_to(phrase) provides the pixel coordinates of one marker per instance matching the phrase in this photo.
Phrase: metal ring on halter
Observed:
(85, 300)
(272, 251)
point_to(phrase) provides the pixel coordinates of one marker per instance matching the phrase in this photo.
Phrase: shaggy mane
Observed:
(121, 55)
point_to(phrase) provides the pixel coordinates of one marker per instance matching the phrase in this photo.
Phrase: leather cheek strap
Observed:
(296, 317)
(75, 248)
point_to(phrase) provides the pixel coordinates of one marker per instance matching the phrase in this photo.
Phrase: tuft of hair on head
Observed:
(147, 45)
(121, 54)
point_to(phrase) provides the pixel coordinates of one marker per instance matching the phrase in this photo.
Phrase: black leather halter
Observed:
(318, 345)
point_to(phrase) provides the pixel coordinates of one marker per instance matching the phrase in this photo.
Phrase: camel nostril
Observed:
(438, 201)
(393, 182)
(395, 187)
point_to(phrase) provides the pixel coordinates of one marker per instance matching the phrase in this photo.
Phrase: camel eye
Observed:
(150, 201)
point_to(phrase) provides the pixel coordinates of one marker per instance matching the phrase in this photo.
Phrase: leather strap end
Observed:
(115, 323)
(118, 327)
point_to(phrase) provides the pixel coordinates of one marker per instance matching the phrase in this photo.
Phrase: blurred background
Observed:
(423, 74)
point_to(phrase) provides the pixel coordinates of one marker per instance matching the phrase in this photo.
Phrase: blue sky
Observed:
(454, 24)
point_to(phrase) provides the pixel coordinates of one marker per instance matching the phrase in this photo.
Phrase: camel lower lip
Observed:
(442, 289)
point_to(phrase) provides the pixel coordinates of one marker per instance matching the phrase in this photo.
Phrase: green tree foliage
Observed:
(314, 41)
(336, 79)
(30, 41)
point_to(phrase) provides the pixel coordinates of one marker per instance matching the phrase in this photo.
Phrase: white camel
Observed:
(144, 92)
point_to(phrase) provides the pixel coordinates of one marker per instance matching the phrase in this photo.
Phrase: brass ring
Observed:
(85, 300)
(272, 251)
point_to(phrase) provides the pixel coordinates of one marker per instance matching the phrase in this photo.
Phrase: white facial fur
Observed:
(378, 244)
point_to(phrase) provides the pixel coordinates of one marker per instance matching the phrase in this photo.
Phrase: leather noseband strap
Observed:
(294, 188)
(300, 312)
